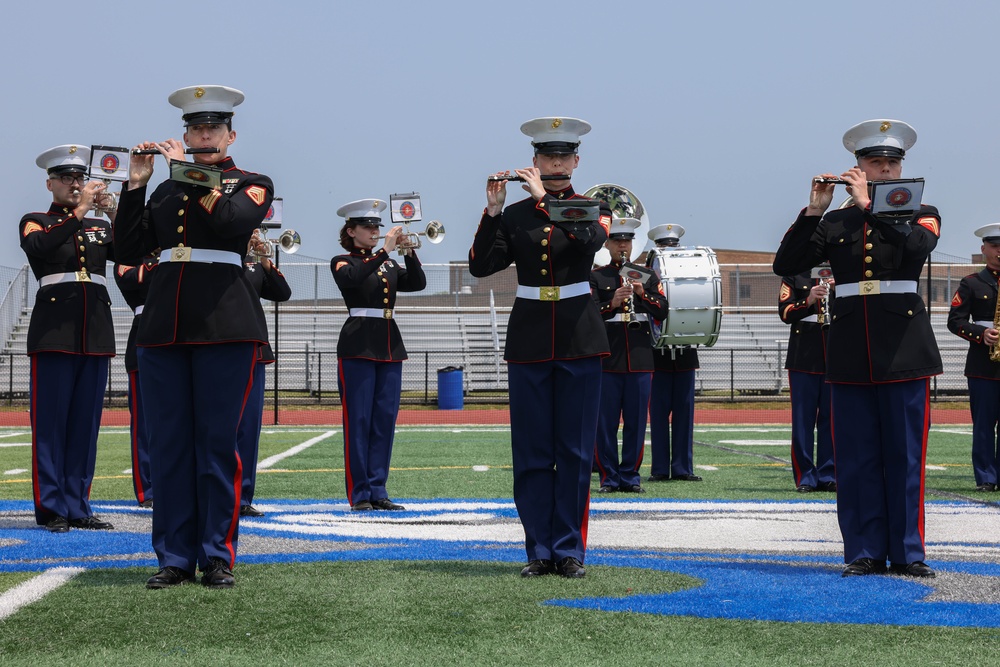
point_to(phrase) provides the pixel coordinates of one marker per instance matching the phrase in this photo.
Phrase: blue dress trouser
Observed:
(194, 396)
(984, 402)
(369, 396)
(142, 484)
(67, 397)
(625, 398)
(671, 413)
(880, 447)
(810, 395)
(248, 434)
(553, 424)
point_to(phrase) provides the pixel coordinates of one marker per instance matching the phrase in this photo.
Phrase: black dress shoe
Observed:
(146, 504)
(829, 487)
(571, 568)
(917, 568)
(386, 504)
(90, 523)
(864, 566)
(805, 488)
(58, 525)
(169, 576)
(658, 478)
(218, 574)
(607, 489)
(250, 510)
(989, 488)
(687, 478)
(632, 488)
(362, 506)
(538, 568)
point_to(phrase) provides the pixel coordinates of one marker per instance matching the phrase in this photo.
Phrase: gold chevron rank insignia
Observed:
(209, 201)
(31, 227)
(257, 194)
(786, 292)
(930, 224)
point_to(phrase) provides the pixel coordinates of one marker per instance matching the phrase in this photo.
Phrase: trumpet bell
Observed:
(434, 231)
(289, 241)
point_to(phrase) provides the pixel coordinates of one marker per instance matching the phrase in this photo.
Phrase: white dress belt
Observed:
(636, 317)
(553, 293)
(984, 323)
(74, 277)
(138, 310)
(870, 287)
(204, 256)
(381, 313)
(810, 318)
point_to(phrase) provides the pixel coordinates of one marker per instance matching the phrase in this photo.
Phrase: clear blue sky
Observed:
(716, 114)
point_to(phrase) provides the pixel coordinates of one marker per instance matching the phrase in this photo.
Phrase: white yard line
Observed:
(15, 444)
(35, 589)
(271, 460)
(15, 471)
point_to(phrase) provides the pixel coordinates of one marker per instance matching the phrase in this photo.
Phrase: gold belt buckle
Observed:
(387, 314)
(548, 293)
(82, 276)
(180, 254)
(869, 287)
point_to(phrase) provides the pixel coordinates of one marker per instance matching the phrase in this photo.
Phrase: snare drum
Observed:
(692, 283)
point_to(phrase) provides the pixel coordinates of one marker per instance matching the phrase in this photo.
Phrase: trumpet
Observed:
(628, 312)
(434, 231)
(190, 151)
(289, 242)
(105, 202)
(515, 177)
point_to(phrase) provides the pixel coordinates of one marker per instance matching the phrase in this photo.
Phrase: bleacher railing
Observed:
(461, 321)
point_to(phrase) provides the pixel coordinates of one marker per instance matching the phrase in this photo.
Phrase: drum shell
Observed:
(692, 282)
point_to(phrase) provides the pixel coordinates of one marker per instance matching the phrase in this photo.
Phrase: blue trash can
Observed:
(450, 388)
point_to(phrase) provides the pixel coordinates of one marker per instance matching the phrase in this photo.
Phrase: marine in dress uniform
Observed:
(133, 283)
(671, 405)
(626, 307)
(555, 341)
(972, 317)
(198, 338)
(800, 300)
(881, 352)
(370, 349)
(268, 283)
(70, 340)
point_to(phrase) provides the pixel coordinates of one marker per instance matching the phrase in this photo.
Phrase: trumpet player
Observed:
(555, 341)
(802, 302)
(70, 339)
(974, 316)
(370, 351)
(133, 283)
(881, 351)
(627, 375)
(270, 284)
(198, 338)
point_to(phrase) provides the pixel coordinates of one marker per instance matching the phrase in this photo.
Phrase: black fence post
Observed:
(732, 376)
(427, 378)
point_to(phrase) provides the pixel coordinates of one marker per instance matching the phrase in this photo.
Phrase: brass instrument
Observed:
(628, 312)
(289, 242)
(105, 202)
(434, 232)
(624, 204)
(823, 317)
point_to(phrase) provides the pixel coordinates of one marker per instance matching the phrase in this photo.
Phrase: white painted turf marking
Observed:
(271, 460)
(15, 444)
(761, 443)
(35, 589)
(15, 471)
